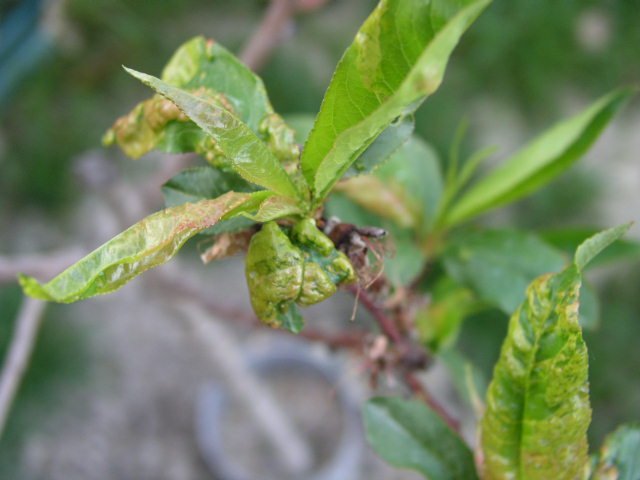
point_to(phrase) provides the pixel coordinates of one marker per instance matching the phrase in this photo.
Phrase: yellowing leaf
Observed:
(147, 244)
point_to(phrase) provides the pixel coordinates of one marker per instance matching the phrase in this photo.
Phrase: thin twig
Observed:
(387, 325)
(15, 365)
(269, 34)
(418, 388)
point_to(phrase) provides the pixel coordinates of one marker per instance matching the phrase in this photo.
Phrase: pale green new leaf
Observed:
(538, 412)
(619, 458)
(592, 246)
(540, 161)
(398, 58)
(568, 240)
(147, 244)
(408, 434)
(249, 156)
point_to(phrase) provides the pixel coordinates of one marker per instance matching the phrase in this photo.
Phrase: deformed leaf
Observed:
(538, 412)
(537, 415)
(398, 58)
(540, 161)
(298, 265)
(200, 66)
(147, 244)
(619, 458)
(408, 434)
(249, 156)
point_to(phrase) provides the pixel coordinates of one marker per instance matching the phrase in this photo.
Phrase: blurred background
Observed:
(116, 385)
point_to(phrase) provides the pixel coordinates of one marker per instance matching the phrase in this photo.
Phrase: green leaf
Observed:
(569, 239)
(592, 246)
(535, 424)
(382, 199)
(469, 381)
(415, 169)
(273, 208)
(291, 319)
(499, 264)
(147, 244)
(249, 156)
(201, 183)
(397, 59)
(405, 189)
(408, 434)
(201, 65)
(383, 147)
(540, 161)
(439, 322)
(619, 458)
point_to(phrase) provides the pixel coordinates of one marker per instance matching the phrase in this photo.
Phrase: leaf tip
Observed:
(32, 288)
(595, 244)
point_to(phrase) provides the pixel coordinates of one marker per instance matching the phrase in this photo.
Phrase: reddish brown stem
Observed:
(420, 390)
(387, 325)
(269, 34)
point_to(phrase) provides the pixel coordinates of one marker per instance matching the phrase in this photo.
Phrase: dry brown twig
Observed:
(26, 331)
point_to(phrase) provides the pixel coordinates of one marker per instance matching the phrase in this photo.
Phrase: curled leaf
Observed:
(147, 244)
(538, 412)
(248, 155)
(282, 269)
(202, 67)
